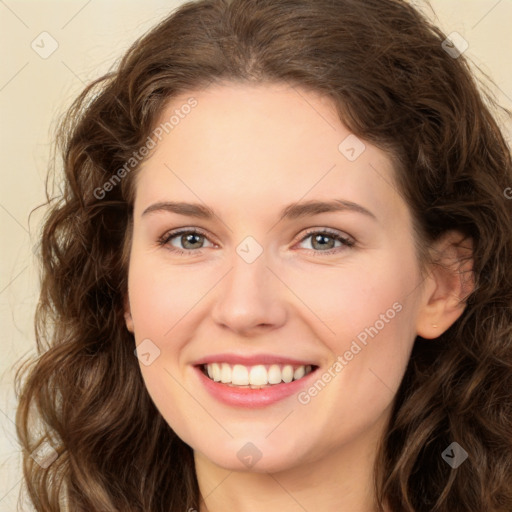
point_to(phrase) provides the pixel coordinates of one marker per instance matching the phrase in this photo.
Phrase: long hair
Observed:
(88, 428)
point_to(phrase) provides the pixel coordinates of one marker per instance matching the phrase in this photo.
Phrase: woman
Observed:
(278, 274)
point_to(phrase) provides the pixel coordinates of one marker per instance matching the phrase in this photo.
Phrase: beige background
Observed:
(34, 91)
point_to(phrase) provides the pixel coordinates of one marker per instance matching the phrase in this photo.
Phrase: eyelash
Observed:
(167, 237)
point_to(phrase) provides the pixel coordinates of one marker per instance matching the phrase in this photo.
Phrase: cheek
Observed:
(347, 298)
(159, 302)
(367, 323)
(364, 313)
(161, 295)
(156, 308)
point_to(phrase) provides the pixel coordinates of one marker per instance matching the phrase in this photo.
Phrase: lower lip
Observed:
(252, 398)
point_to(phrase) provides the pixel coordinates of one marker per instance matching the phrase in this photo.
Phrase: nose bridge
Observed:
(249, 295)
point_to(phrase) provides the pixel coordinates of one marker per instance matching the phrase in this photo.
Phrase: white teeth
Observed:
(274, 374)
(215, 371)
(225, 373)
(258, 375)
(255, 376)
(299, 373)
(287, 373)
(239, 375)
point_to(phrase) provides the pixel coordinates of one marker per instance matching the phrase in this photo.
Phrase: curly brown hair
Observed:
(384, 66)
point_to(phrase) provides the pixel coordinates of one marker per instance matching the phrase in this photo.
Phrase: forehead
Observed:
(263, 145)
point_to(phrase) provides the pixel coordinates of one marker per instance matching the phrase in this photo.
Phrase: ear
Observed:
(449, 283)
(128, 315)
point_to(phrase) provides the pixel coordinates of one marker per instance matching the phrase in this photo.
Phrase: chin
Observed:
(254, 457)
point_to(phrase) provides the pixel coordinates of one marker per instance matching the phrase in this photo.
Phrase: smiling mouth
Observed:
(258, 376)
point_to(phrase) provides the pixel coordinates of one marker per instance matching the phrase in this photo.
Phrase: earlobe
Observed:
(128, 315)
(450, 282)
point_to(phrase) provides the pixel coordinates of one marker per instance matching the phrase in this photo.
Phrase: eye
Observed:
(325, 240)
(190, 239)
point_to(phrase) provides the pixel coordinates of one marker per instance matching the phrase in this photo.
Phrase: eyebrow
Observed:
(290, 212)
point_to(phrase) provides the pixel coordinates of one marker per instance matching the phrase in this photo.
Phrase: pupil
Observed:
(318, 238)
(189, 237)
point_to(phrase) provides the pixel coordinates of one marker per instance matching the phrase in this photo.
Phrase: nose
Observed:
(250, 298)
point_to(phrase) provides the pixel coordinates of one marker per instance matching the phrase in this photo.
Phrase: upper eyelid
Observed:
(329, 231)
(181, 231)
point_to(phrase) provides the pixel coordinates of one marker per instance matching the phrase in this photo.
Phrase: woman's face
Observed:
(303, 261)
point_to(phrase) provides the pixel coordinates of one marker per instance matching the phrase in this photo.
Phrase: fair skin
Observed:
(247, 152)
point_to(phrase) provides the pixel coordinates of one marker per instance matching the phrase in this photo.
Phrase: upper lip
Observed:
(251, 360)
